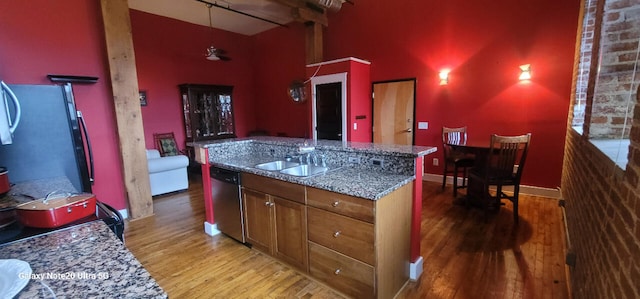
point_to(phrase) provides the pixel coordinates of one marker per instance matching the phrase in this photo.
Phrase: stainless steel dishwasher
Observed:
(227, 204)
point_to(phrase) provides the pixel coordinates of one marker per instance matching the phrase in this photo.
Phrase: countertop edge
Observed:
(397, 150)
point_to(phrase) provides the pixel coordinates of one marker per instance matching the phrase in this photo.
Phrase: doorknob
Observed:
(408, 130)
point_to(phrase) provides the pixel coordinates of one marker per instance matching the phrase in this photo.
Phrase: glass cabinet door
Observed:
(208, 111)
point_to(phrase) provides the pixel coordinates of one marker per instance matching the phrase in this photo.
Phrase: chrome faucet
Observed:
(305, 147)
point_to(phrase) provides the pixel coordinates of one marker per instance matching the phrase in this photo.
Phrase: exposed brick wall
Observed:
(603, 207)
(603, 201)
(584, 63)
(614, 95)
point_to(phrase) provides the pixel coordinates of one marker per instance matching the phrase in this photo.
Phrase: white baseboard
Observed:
(524, 189)
(211, 229)
(124, 213)
(415, 269)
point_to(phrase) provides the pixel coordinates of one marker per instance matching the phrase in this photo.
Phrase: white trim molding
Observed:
(524, 189)
(211, 229)
(333, 78)
(339, 60)
(415, 269)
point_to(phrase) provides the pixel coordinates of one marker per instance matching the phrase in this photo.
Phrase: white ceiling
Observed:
(196, 12)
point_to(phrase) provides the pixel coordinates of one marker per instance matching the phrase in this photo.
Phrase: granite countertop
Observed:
(83, 261)
(359, 179)
(366, 147)
(368, 184)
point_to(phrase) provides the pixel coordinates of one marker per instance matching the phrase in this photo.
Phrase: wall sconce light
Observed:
(444, 76)
(526, 72)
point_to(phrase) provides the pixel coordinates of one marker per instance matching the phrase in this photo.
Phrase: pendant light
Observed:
(212, 52)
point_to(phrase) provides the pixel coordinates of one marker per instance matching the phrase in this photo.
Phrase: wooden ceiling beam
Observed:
(302, 13)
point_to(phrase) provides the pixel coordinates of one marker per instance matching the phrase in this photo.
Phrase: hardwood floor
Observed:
(464, 255)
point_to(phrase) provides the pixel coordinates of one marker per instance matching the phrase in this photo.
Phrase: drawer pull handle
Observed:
(337, 271)
(336, 234)
(335, 203)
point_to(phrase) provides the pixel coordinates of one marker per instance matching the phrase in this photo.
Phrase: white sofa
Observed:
(167, 174)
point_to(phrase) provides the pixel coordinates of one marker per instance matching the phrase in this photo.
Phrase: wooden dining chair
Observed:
(454, 159)
(503, 167)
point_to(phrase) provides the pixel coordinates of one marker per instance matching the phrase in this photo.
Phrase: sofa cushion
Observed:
(167, 163)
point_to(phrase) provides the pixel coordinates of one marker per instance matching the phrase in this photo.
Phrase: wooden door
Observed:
(291, 232)
(329, 111)
(258, 219)
(393, 112)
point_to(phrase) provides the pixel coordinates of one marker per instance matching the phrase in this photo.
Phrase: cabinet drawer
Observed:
(355, 207)
(346, 235)
(275, 187)
(341, 272)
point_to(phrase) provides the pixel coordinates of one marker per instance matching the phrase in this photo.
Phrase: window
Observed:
(607, 75)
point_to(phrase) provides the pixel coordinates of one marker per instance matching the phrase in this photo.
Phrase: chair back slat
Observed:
(452, 136)
(505, 153)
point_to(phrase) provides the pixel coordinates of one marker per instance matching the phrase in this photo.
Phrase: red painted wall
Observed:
(358, 94)
(171, 52)
(359, 81)
(279, 59)
(484, 45)
(66, 37)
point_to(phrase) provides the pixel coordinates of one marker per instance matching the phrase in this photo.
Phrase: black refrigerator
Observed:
(48, 141)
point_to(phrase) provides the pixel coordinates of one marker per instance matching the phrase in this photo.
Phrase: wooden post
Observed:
(314, 42)
(124, 83)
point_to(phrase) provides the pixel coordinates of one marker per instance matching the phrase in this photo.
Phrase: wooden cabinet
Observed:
(358, 208)
(360, 246)
(208, 111)
(344, 273)
(349, 236)
(273, 224)
(257, 219)
(290, 229)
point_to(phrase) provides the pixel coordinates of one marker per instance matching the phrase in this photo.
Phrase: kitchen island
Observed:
(355, 226)
(363, 178)
(82, 261)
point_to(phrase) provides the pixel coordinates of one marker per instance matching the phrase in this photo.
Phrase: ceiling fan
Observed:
(214, 53)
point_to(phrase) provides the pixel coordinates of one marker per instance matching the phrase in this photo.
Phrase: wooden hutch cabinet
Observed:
(208, 112)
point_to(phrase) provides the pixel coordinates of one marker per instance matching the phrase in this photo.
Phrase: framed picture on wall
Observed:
(143, 98)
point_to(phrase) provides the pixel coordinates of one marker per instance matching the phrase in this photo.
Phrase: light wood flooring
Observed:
(465, 256)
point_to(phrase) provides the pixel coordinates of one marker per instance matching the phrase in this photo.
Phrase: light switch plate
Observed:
(423, 125)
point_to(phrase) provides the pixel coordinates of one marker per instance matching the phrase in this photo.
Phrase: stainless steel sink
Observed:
(304, 170)
(276, 165)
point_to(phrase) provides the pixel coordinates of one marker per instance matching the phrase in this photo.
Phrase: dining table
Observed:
(478, 147)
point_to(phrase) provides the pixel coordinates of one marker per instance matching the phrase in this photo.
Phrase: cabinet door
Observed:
(258, 219)
(208, 111)
(291, 232)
